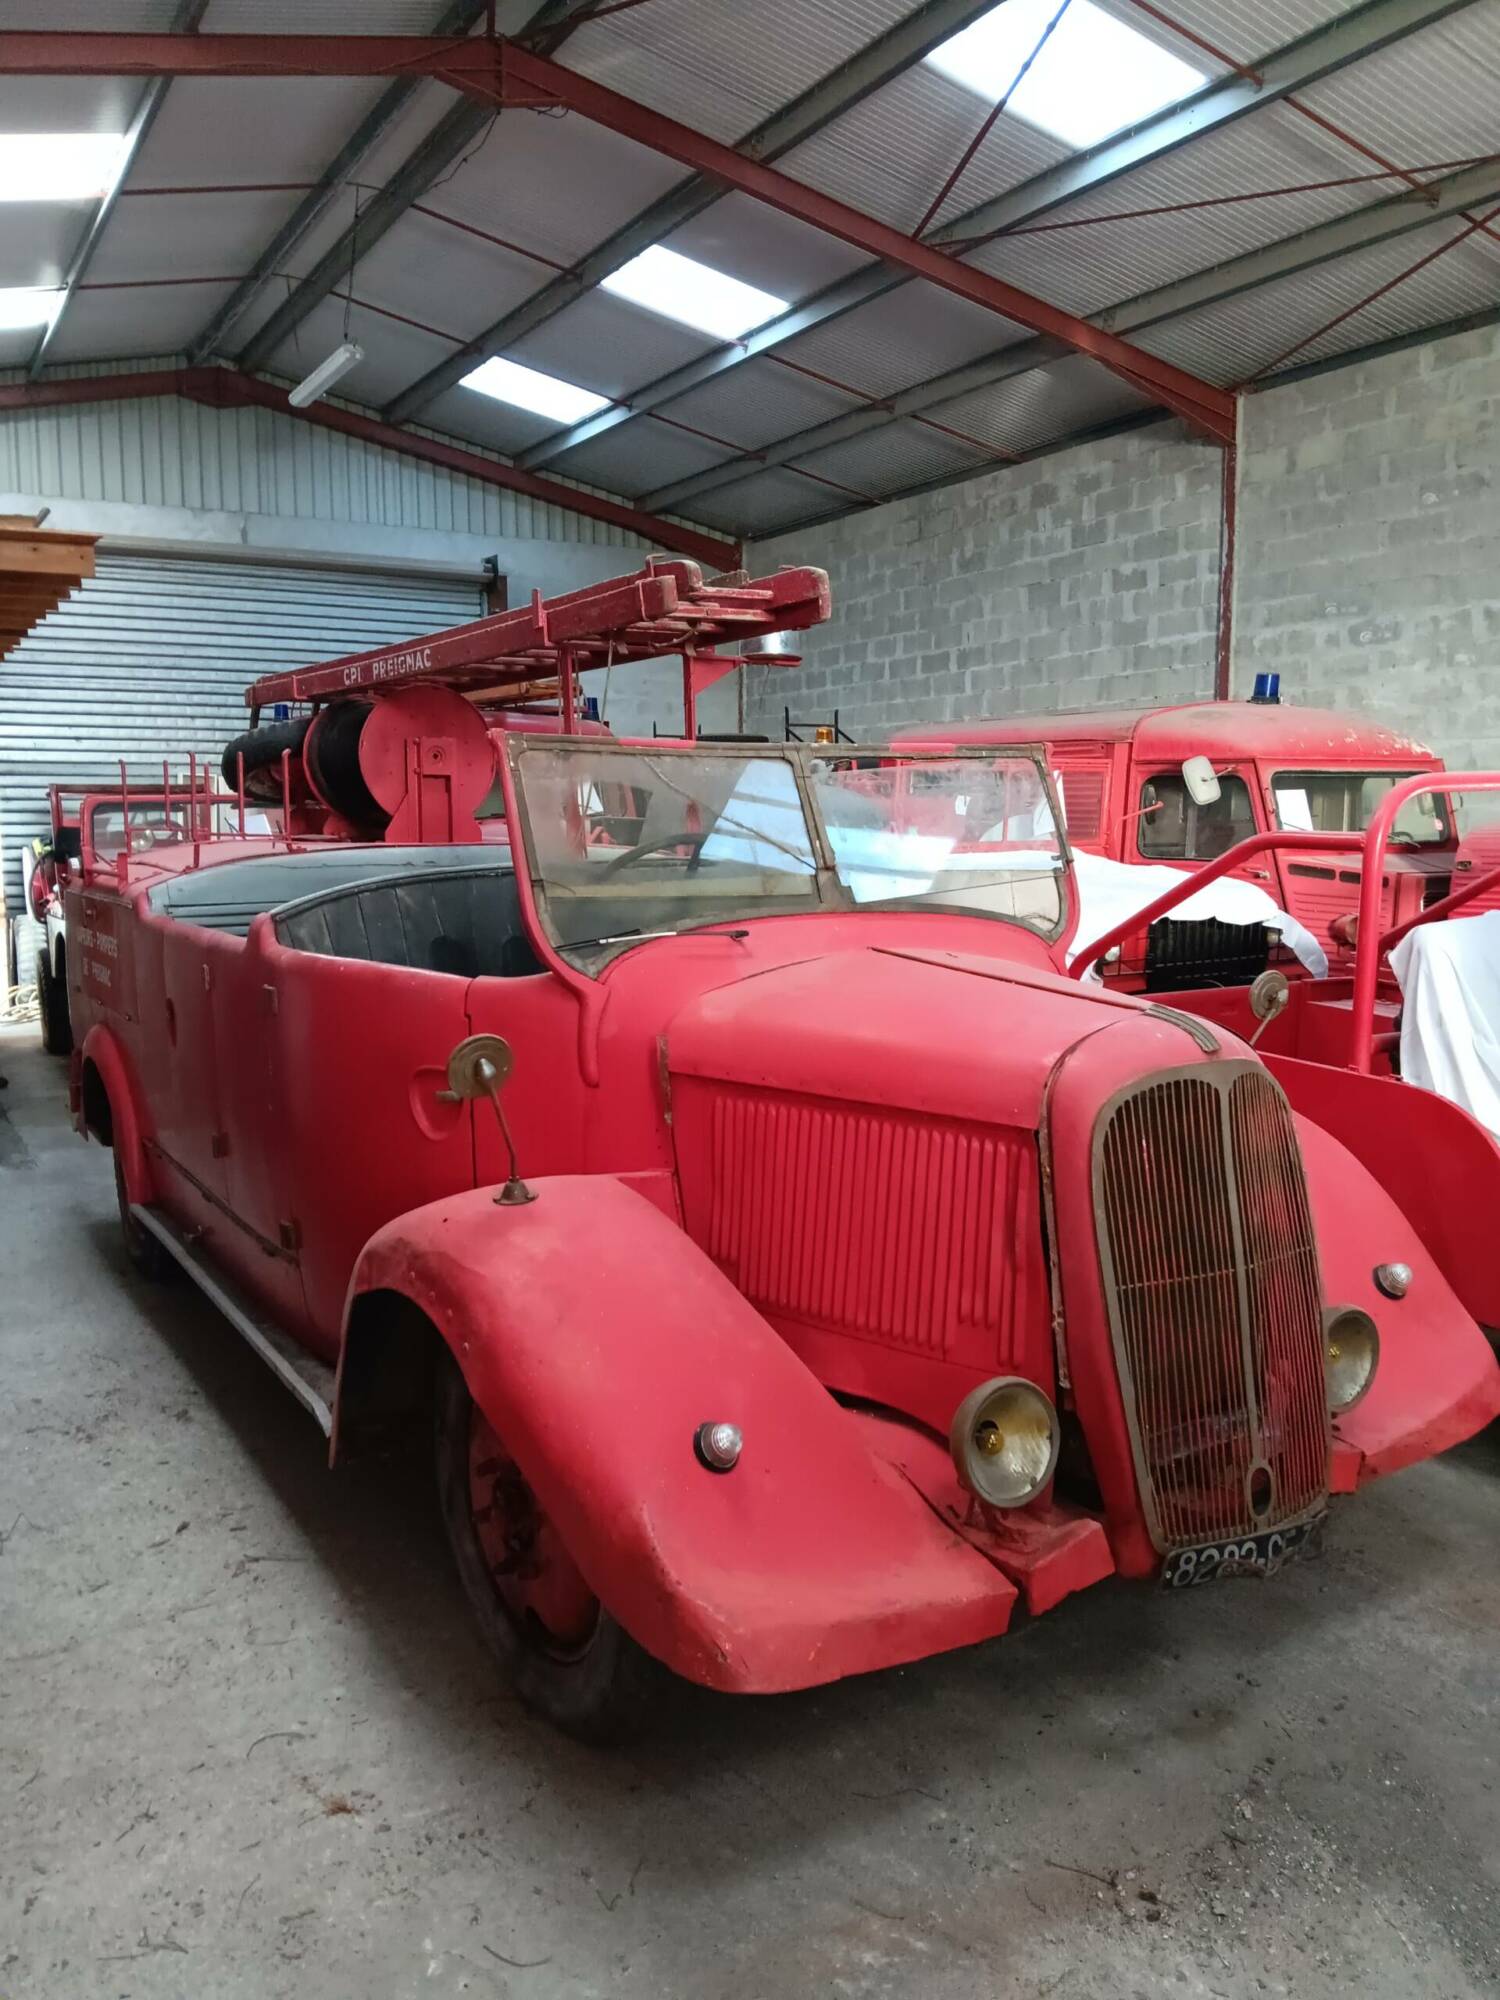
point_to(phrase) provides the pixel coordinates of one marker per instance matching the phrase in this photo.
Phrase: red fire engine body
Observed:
(1120, 774)
(805, 1274)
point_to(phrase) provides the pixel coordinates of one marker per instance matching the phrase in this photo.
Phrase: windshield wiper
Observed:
(638, 937)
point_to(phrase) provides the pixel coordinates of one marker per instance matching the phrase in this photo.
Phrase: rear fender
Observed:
(103, 1055)
(1438, 1381)
(597, 1337)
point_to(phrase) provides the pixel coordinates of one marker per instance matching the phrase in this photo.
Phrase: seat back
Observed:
(465, 921)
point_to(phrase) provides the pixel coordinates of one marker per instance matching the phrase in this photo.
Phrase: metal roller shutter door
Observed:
(150, 659)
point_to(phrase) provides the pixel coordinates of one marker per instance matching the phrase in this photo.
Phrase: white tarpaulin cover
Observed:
(1449, 975)
(1111, 891)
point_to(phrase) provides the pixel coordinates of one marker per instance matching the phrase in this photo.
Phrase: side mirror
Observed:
(1201, 779)
(477, 1068)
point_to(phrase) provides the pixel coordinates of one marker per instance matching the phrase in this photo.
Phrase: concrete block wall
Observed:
(1369, 541)
(1368, 568)
(1084, 579)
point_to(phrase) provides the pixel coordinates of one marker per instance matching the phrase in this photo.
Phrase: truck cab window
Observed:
(1172, 828)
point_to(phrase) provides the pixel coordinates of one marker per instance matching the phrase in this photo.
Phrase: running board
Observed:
(311, 1381)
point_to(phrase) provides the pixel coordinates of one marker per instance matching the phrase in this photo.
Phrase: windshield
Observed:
(631, 843)
(1345, 802)
(151, 825)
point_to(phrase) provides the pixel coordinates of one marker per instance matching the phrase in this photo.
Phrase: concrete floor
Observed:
(249, 1745)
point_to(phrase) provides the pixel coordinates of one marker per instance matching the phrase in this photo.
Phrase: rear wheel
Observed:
(52, 1003)
(569, 1660)
(146, 1252)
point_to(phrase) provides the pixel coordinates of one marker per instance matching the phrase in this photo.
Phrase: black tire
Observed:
(595, 1690)
(52, 1003)
(149, 1255)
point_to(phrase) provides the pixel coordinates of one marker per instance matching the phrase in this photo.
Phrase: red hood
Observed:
(948, 1033)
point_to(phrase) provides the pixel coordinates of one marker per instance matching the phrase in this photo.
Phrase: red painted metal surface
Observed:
(666, 607)
(505, 73)
(229, 388)
(816, 1175)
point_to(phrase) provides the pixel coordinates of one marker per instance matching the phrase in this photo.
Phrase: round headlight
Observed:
(1351, 1354)
(1004, 1440)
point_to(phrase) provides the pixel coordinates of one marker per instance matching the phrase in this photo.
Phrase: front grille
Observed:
(1211, 1278)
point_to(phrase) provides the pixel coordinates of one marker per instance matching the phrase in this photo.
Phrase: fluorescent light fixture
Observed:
(1094, 76)
(22, 305)
(323, 377)
(680, 288)
(528, 389)
(59, 166)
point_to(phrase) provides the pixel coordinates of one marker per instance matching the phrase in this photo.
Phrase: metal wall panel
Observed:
(151, 658)
(171, 453)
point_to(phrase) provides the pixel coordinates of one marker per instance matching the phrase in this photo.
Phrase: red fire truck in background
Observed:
(1183, 785)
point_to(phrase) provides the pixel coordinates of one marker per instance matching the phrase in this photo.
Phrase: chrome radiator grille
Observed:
(1211, 1279)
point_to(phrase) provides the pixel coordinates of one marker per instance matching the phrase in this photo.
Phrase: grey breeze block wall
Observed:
(1368, 568)
(1086, 578)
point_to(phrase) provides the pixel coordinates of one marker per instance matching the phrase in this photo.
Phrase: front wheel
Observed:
(52, 1004)
(569, 1660)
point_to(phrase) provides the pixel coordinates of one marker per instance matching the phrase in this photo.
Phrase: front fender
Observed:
(1438, 1381)
(597, 1337)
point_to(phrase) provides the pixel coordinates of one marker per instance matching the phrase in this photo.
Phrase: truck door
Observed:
(189, 1110)
(1171, 827)
(544, 1098)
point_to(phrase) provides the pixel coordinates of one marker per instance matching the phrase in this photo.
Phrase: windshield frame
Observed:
(834, 898)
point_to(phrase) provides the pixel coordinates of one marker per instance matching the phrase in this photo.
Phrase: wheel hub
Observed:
(533, 1574)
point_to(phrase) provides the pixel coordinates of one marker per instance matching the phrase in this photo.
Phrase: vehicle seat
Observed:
(466, 922)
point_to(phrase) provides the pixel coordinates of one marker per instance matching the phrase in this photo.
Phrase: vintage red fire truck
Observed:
(89, 825)
(1181, 786)
(799, 1273)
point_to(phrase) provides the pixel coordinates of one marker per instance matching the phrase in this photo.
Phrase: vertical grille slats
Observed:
(921, 1233)
(1211, 1276)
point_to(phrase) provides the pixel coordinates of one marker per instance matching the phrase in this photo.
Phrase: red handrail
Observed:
(1374, 840)
(1232, 858)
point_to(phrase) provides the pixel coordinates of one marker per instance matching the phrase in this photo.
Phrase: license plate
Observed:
(1241, 1555)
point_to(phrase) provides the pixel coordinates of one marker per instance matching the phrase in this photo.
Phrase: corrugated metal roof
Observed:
(1430, 97)
(1030, 410)
(891, 154)
(729, 67)
(760, 402)
(896, 457)
(1235, 341)
(133, 322)
(603, 343)
(553, 188)
(1089, 268)
(767, 502)
(1242, 32)
(906, 336)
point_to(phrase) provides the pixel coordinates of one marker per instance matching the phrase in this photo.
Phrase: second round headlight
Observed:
(1351, 1354)
(1004, 1439)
